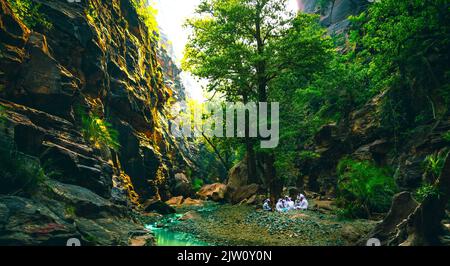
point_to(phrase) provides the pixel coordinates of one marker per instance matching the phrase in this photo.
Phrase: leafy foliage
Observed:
(99, 132)
(29, 12)
(405, 45)
(148, 15)
(324, 87)
(397, 49)
(426, 191)
(434, 163)
(364, 188)
(197, 184)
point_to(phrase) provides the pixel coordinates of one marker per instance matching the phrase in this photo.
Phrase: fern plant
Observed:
(434, 164)
(99, 132)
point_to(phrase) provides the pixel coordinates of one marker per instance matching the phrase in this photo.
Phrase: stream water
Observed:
(166, 237)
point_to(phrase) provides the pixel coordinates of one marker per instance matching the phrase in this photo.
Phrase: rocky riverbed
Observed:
(241, 225)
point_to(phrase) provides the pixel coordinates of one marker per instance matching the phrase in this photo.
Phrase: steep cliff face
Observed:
(362, 136)
(97, 56)
(334, 13)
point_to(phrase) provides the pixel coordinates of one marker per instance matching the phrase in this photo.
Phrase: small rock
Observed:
(191, 215)
(215, 192)
(193, 202)
(142, 241)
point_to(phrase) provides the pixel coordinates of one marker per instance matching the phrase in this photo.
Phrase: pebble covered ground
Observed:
(243, 225)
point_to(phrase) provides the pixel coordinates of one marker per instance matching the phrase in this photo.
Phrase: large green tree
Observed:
(245, 47)
(233, 45)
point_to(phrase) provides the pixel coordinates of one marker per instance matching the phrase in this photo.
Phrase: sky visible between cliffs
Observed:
(171, 16)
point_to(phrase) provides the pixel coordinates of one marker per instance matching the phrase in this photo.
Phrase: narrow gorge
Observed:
(87, 152)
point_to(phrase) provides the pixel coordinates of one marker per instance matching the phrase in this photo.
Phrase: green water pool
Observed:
(165, 237)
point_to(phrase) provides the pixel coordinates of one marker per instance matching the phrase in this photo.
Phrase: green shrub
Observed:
(364, 188)
(197, 184)
(425, 191)
(28, 12)
(99, 132)
(19, 172)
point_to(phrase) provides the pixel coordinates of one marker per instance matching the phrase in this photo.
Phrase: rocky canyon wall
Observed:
(334, 13)
(100, 57)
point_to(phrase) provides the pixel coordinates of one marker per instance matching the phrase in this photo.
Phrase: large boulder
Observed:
(215, 192)
(182, 186)
(60, 147)
(241, 194)
(237, 189)
(238, 175)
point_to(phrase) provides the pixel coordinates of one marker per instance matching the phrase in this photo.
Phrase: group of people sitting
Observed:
(286, 204)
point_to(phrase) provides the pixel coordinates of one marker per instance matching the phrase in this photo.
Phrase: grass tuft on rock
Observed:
(19, 172)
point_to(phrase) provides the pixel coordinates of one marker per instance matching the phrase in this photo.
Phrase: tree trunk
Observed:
(251, 156)
(251, 162)
(275, 186)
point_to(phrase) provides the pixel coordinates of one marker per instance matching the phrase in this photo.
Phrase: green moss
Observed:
(70, 211)
(307, 155)
(2, 113)
(91, 239)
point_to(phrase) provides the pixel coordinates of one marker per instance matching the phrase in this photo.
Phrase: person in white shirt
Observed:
(266, 205)
(302, 203)
(279, 206)
(290, 204)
